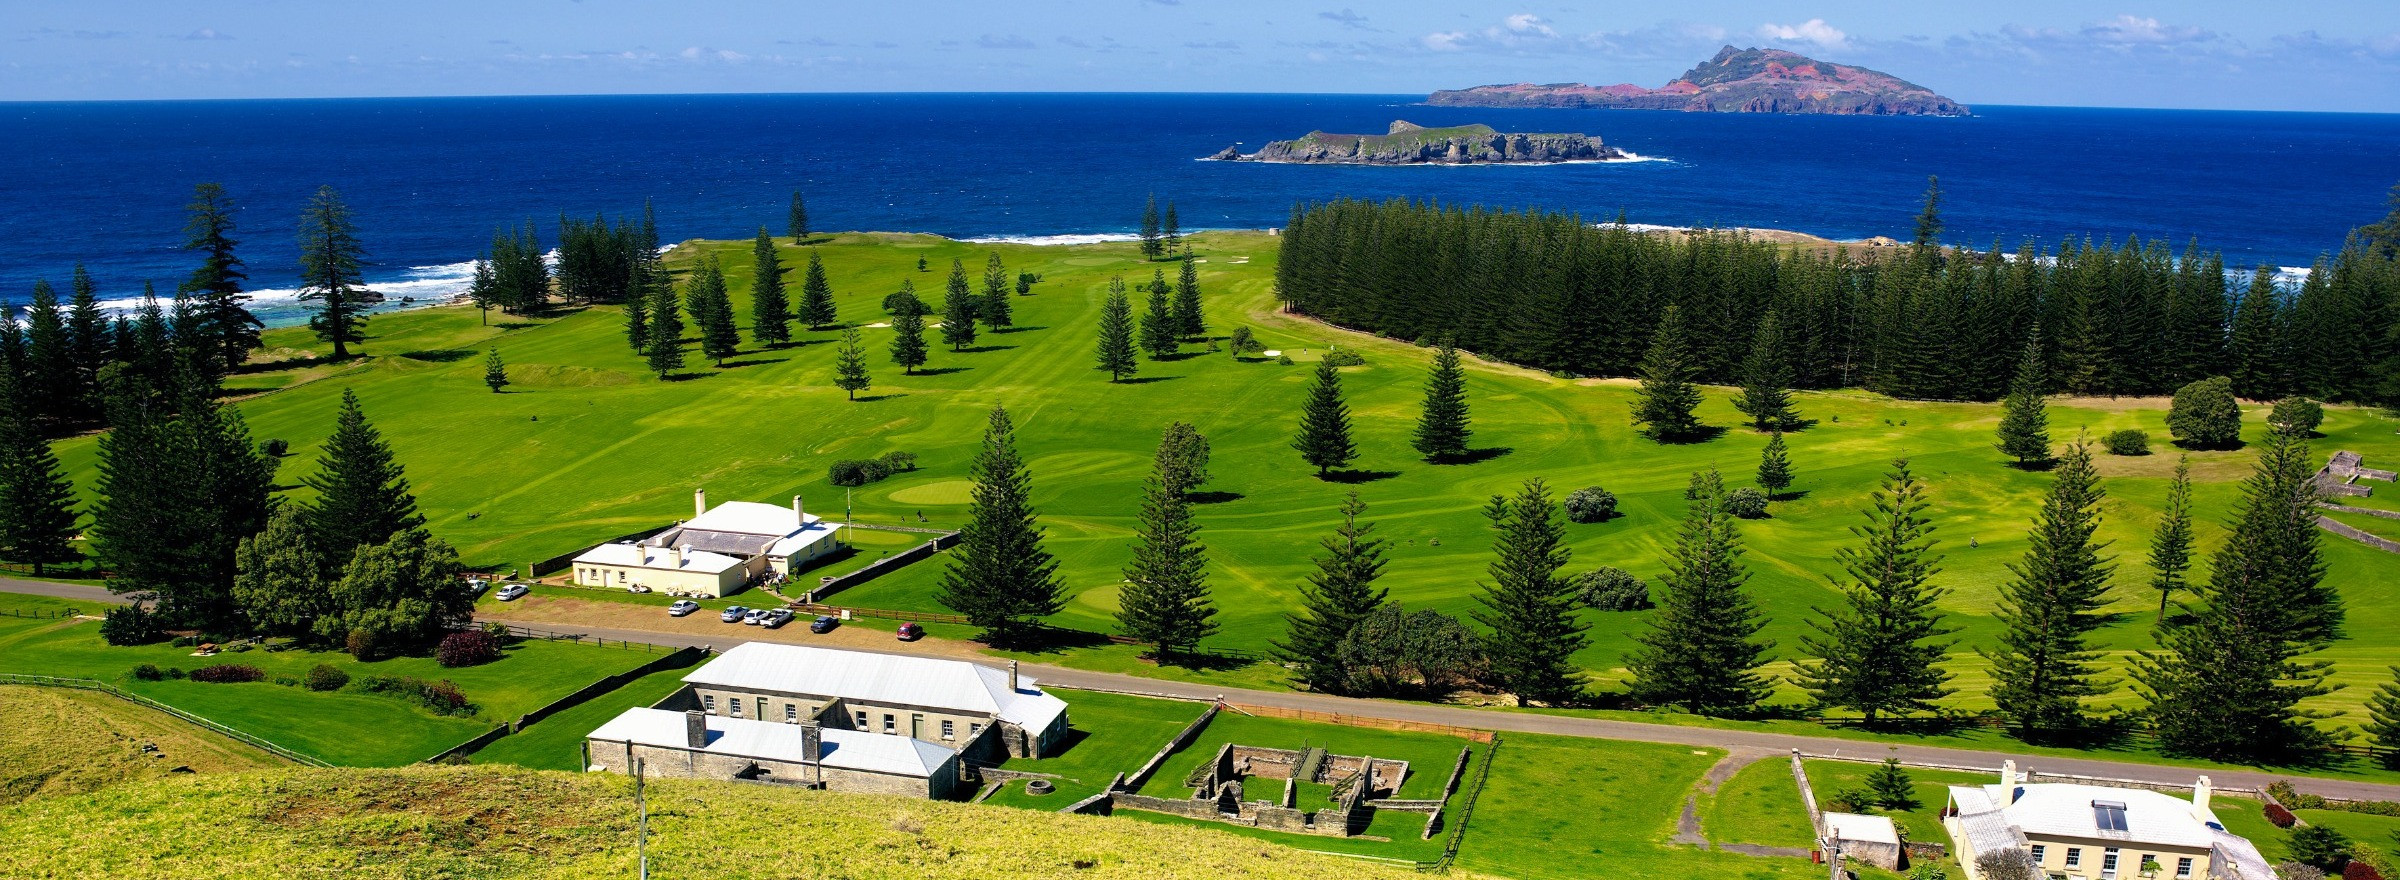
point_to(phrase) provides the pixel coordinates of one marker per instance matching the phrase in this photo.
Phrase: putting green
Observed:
(940, 492)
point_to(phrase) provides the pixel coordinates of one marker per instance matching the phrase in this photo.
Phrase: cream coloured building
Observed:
(991, 714)
(2091, 832)
(717, 552)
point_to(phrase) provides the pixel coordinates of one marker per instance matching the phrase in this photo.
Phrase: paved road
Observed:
(1521, 722)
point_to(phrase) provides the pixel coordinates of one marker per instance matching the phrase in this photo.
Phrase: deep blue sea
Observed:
(429, 179)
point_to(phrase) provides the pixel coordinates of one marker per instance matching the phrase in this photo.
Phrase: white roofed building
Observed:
(693, 744)
(988, 712)
(717, 552)
(2093, 832)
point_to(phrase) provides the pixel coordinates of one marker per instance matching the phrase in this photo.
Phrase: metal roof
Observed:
(638, 556)
(2061, 809)
(770, 741)
(1865, 829)
(967, 688)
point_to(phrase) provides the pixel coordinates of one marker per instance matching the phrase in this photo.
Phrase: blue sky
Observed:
(2292, 55)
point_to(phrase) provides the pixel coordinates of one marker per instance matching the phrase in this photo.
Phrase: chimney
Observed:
(1012, 676)
(699, 502)
(695, 728)
(674, 556)
(797, 512)
(812, 742)
(2200, 793)
(2008, 783)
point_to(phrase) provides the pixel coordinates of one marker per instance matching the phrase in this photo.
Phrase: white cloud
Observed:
(207, 34)
(1446, 41)
(1813, 31)
(1530, 24)
(2127, 29)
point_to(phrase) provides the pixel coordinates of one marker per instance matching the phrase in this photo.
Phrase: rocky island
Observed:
(1735, 81)
(1410, 144)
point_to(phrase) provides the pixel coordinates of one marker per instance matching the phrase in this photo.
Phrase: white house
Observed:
(717, 552)
(990, 713)
(2093, 832)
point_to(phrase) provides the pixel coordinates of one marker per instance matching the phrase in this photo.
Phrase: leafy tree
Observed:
(1243, 343)
(994, 307)
(1339, 593)
(664, 337)
(1892, 787)
(1766, 395)
(908, 330)
(1442, 429)
(403, 591)
(1880, 651)
(850, 365)
(712, 311)
(2297, 416)
(1591, 504)
(1324, 438)
(1165, 600)
(1116, 333)
(37, 501)
(1700, 650)
(1189, 322)
(2024, 418)
(1158, 321)
(2045, 667)
(1929, 220)
(2171, 541)
(1609, 588)
(1025, 282)
(362, 493)
(280, 576)
(1528, 607)
(958, 310)
(330, 261)
(770, 311)
(495, 372)
(1182, 458)
(2383, 719)
(2204, 415)
(816, 297)
(1774, 466)
(1000, 576)
(1392, 650)
(230, 330)
(1667, 398)
(2011, 863)
(796, 223)
(1152, 245)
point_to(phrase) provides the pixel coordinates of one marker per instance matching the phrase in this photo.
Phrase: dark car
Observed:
(824, 623)
(910, 631)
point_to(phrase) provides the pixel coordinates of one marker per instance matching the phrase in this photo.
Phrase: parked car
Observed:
(637, 588)
(776, 618)
(733, 614)
(753, 616)
(476, 586)
(512, 592)
(910, 631)
(824, 623)
(682, 607)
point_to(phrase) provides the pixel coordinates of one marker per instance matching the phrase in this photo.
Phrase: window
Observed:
(2038, 851)
(862, 719)
(736, 705)
(2108, 863)
(791, 712)
(620, 576)
(708, 703)
(762, 708)
(890, 724)
(948, 732)
(974, 728)
(2183, 867)
(2074, 856)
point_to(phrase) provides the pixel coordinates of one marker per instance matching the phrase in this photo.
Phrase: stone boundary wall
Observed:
(676, 659)
(1189, 808)
(1097, 805)
(2366, 511)
(1808, 796)
(2385, 545)
(879, 568)
(1134, 782)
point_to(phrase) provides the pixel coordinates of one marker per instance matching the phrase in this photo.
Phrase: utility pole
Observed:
(641, 834)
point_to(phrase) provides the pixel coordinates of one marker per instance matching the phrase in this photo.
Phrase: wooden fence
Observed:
(139, 700)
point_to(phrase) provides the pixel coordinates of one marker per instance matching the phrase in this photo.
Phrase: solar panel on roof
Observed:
(2109, 815)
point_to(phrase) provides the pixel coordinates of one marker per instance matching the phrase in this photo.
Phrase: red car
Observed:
(910, 631)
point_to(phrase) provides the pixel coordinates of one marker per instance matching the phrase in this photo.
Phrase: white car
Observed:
(512, 592)
(682, 607)
(754, 616)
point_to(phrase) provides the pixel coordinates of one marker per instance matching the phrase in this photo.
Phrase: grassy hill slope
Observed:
(492, 822)
(59, 742)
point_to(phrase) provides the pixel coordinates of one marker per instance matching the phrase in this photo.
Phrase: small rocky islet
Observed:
(1410, 144)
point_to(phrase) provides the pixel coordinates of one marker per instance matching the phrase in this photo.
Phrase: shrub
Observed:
(1747, 503)
(470, 648)
(899, 462)
(1893, 789)
(2359, 870)
(2280, 817)
(2296, 416)
(857, 471)
(1612, 589)
(2130, 441)
(903, 302)
(1283, 359)
(1243, 343)
(229, 673)
(2285, 794)
(274, 447)
(364, 644)
(148, 672)
(2320, 846)
(2204, 415)
(443, 697)
(325, 677)
(1591, 504)
(2297, 871)
(131, 625)
(2013, 863)
(1342, 357)
(1853, 800)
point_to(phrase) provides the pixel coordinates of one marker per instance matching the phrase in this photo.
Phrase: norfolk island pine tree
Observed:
(1528, 607)
(2044, 667)
(1324, 437)
(994, 308)
(1339, 593)
(1115, 352)
(816, 296)
(1000, 576)
(958, 309)
(770, 312)
(1700, 650)
(1442, 426)
(1165, 600)
(850, 365)
(1879, 652)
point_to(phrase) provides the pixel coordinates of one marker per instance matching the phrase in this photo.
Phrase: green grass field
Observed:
(1759, 805)
(587, 446)
(1112, 734)
(555, 743)
(1932, 789)
(341, 727)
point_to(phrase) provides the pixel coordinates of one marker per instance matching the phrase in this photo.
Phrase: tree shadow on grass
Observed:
(1174, 356)
(1358, 476)
(516, 325)
(1048, 639)
(1020, 328)
(687, 377)
(1788, 495)
(1199, 660)
(751, 362)
(2034, 467)
(939, 371)
(980, 349)
(1703, 434)
(871, 398)
(1474, 456)
(1212, 497)
(439, 355)
(1145, 380)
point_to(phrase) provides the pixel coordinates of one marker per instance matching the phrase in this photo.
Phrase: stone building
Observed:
(693, 744)
(717, 552)
(989, 714)
(2098, 832)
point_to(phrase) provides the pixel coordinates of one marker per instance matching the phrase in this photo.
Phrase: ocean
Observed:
(429, 179)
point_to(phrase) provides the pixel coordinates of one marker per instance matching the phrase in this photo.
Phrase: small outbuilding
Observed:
(1870, 839)
(697, 745)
